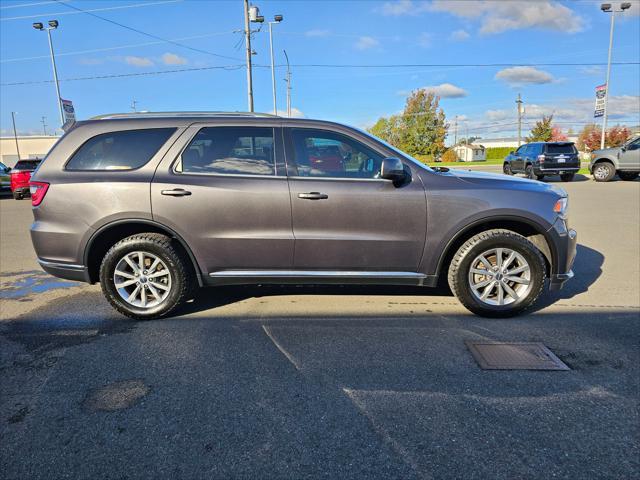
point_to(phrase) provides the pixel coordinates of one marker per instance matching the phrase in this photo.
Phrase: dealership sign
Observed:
(69, 113)
(601, 93)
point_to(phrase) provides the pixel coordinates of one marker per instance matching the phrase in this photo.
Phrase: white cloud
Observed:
(138, 61)
(295, 113)
(459, 36)
(500, 16)
(317, 32)
(446, 90)
(524, 75)
(173, 59)
(424, 40)
(401, 7)
(593, 70)
(365, 43)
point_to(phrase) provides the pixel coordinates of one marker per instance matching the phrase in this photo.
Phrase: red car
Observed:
(20, 176)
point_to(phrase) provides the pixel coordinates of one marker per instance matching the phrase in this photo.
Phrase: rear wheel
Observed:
(506, 169)
(539, 177)
(628, 176)
(17, 196)
(528, 172)
(567, 177)
(497, 273)
(144, 276)
(603, 172)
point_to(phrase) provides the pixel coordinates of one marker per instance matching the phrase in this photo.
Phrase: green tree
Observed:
(420, 129)
(542, 130)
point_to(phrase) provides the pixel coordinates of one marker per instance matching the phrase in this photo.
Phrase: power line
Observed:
(104, 9)
(417, 65)
(150, 35)
(106, 49)
(33, 4)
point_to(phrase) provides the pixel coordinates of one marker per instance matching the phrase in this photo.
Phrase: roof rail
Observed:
(110, 116)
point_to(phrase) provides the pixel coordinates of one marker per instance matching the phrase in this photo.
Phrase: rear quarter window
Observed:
(122, 150)
(26, 165)
(567, 148)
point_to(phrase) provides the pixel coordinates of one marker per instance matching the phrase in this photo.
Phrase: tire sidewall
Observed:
(528, 172)
(538, 276)
(506, 169)
(611, 171)
(170, 259)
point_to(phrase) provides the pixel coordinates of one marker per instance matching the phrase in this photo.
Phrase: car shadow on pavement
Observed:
(578, 178)
(587, 269)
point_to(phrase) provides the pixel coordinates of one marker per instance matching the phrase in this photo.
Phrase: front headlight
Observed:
(561, 208)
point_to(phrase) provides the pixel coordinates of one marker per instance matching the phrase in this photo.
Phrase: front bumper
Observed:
(566, 241)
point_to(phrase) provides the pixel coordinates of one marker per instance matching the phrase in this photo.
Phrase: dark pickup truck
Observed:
(539, 159)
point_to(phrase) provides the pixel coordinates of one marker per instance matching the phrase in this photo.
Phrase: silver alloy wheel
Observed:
(499, 276)
(601, 171)
(142, 279)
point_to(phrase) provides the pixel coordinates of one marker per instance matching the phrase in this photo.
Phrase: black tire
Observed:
(603, 171)
(465, 256)
(567, 177)
(506, 169)
(539, 177)
(628, 176)
(182, 279)
(17, 196)
(528, 172)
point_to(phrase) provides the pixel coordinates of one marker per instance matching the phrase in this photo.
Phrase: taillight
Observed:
(540, 158)
(38, 190)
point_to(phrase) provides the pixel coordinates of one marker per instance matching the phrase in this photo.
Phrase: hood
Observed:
(607, 151)
(503, 181)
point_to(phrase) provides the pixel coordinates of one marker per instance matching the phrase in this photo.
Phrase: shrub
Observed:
(449, 156)
(498, 153)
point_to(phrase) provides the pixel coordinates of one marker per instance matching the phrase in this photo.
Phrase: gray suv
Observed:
(624, 160)
(154, 205)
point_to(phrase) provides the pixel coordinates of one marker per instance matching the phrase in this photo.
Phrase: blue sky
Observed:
(322, 32)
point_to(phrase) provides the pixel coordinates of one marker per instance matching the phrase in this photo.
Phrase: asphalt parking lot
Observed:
(293, 382)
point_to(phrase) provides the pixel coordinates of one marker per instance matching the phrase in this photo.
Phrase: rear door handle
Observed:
(313, 196)
(176, 192)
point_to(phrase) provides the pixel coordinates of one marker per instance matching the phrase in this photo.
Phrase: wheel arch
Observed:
(107, 235)
(602, 160)
(533, 231)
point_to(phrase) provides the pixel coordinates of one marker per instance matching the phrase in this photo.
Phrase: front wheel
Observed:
(17, 196)
(603, 172)
(567, 177)
(497, 273)
(539, 177)
(506, 169)
(144, 276)
(628, 176)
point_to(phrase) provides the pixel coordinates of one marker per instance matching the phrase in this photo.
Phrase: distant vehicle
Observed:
(540, 159)
(20, 176)
(154, 205)
(624, 160)
(5, 177)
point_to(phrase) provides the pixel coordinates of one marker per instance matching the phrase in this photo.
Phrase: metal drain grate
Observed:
(514, 356)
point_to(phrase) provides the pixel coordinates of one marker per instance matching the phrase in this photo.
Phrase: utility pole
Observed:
(15, 133)
(288, 80)
(519, 103)
(247, 39)
(134, 103)
(455, 130)
(44, 125)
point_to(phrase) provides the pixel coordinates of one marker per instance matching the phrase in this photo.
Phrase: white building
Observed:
(470, 153)
(29, 146)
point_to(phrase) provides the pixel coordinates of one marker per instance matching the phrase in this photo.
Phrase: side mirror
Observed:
(511, 152)
(393, 169)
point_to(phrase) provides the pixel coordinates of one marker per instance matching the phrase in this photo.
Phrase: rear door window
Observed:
(229, 151)
(122, 150)
(557, 148)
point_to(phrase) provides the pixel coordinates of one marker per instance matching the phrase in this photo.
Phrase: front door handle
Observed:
(176, 192)
(313, 196)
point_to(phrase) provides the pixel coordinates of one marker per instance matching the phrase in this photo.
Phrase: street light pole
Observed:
(277, 19)
(15, 133)
(53, 24)
(247, 39)
(607, 8)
